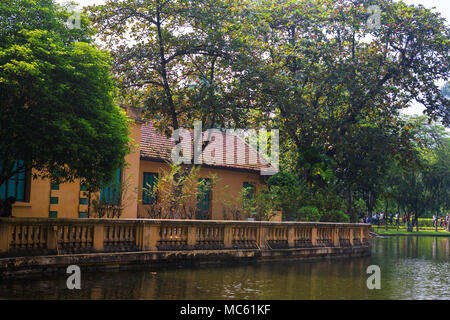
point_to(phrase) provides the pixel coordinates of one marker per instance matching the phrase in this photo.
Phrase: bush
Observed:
(178, 191)
(308, 213)
(427, 222)
(335, 216)
(283, 179)
(288, 194)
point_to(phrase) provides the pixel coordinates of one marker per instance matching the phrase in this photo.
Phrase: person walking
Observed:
(361, 217)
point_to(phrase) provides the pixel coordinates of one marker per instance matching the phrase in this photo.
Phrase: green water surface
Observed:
(411, 268)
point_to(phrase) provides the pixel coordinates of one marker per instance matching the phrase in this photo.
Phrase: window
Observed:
(149, 193)
(204, 200)
(16, 186)
(82, 214)
(110, 194)
(250, 190)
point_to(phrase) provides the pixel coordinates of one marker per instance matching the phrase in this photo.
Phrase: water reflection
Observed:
(411, 268)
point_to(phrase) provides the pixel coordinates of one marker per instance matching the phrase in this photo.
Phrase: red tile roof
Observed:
(155, 146)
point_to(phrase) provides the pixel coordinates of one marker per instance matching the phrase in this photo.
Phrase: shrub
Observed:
(335, 216)
(309, 214)
(178, 191)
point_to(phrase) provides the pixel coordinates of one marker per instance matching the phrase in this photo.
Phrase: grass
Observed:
(402, 231)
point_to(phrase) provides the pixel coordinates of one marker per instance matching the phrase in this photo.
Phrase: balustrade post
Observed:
(150, 237)
(192, 237)
(138, 239)
(336, 236)
(291, 236)
(314, 236)
(4, 237)
(262, 235)
(367, 231)
(361, 235)
(99, 236)
(351, 237)
(52, 237)
(228, 236)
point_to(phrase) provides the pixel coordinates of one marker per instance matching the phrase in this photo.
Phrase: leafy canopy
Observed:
(57, 112)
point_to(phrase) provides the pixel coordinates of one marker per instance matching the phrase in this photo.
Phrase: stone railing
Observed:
(41, 236)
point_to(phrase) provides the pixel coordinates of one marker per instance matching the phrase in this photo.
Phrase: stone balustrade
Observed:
(42, 236)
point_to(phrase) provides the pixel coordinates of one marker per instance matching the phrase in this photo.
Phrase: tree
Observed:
(177, 59)
(423, 186)
(446, 90)
(58, 113)
(336, 84)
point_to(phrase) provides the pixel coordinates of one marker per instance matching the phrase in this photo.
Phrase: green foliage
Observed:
(17, 15)
(360, 205)
(298, 200)
(258, 206)
(335, 216)
(57, 112)
(423, 187)
(315, 70)
(446, 90)
(183, 63)
(309, 214)
(336, 86)
(177, 192)
(283, 179)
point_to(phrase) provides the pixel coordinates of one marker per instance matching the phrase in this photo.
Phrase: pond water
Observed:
(411, 268)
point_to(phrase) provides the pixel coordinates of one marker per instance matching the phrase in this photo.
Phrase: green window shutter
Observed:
(149, 183)
(110, 193)
(82, 214)
(54, 200)
(15, 186)
(204, 201)
(53, 214)
(83, 201)
(54, 186)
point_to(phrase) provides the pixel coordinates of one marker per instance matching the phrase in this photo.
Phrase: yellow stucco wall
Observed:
(39, 200)
(130, 175)
(69, 193)
(229, 185)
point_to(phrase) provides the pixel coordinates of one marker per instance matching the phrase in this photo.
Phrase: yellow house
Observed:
(150, 156)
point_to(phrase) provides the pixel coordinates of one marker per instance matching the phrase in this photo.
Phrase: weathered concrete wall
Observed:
(29, 266)
(40, 245)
